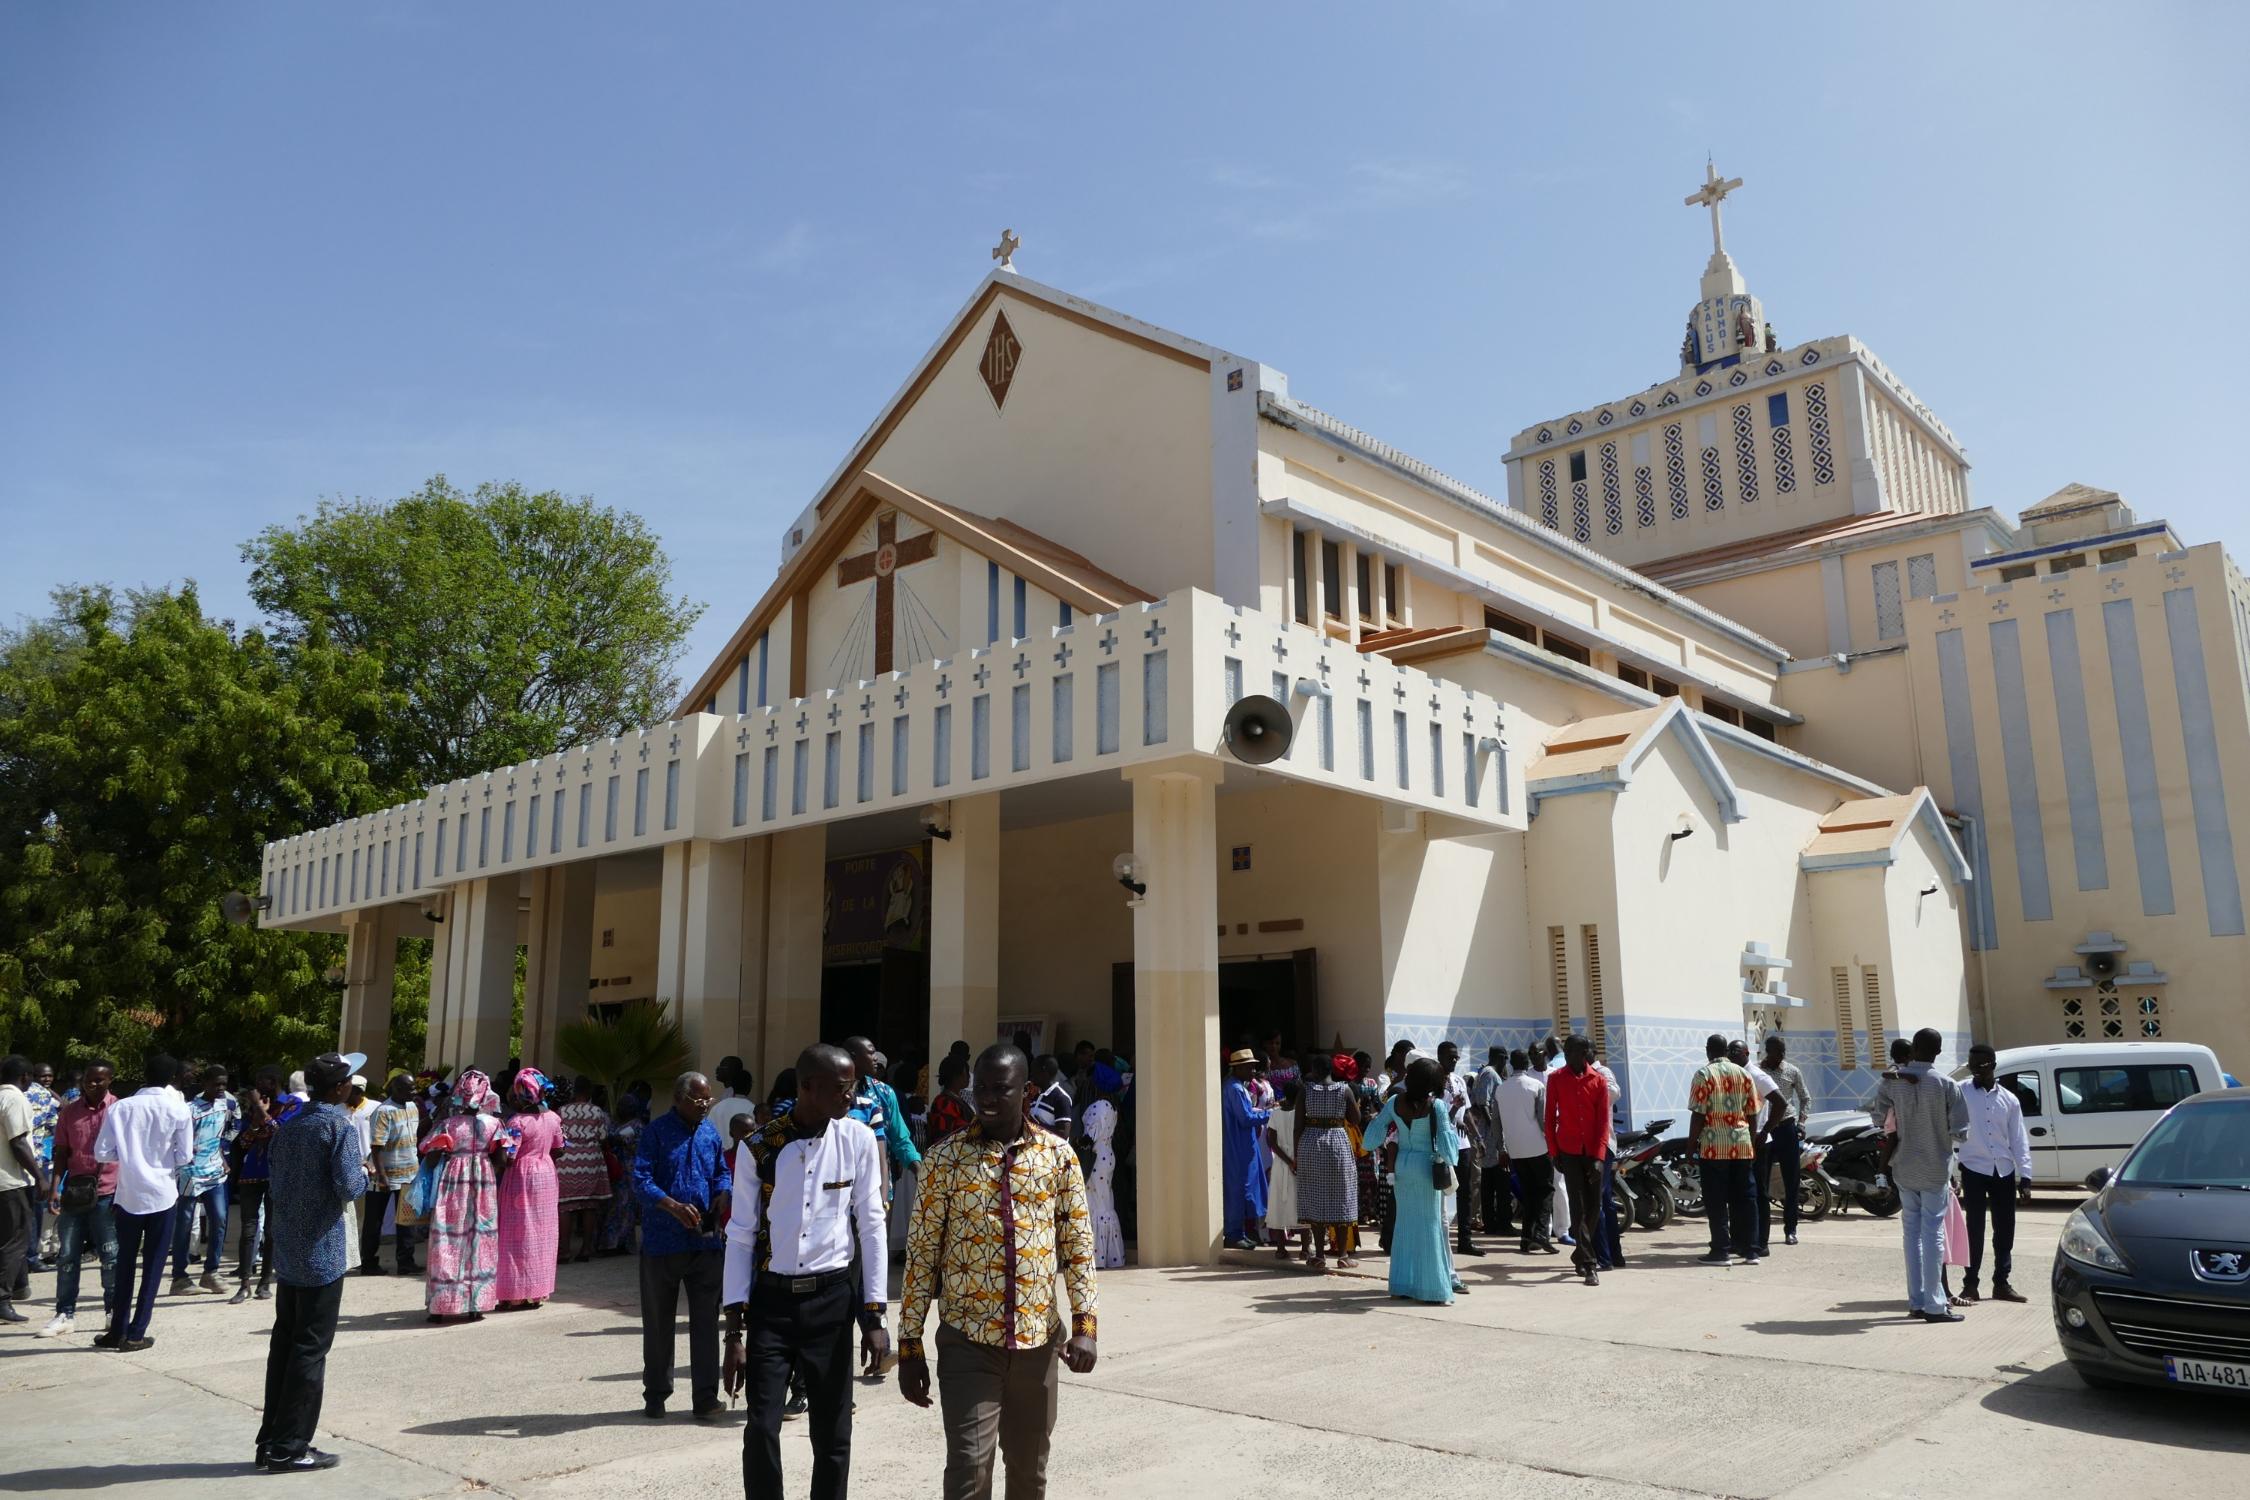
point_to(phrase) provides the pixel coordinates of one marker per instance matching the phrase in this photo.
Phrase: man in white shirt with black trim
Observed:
(805, 1258)
(1995, 1163)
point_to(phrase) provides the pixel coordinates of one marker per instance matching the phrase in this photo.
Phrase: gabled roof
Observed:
(1046, 564)
(1601, 755)
(1867, 831)
(815, 523)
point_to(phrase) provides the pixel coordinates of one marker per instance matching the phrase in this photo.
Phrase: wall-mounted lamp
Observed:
(1685, 827)
(1127, 869)
(1929, 890)
(937, 820)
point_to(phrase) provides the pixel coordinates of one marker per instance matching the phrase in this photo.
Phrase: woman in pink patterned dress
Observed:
(464, 1216)
(528, 1142)
(581, 1170)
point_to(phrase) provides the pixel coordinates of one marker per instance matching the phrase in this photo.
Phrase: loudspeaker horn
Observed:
(2101, 965)
(1259, 730)
(237, 908)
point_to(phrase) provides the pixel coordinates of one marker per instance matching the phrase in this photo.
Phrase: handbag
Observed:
(421, 1194)
(1441, 1172)
(78, 1193)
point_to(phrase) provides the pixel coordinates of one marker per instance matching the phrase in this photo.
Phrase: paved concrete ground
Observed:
(1796, 1378)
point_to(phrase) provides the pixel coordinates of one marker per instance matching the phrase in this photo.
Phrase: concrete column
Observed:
(558, 956)
(434, 1050)
(1176, 1009)
(965, 928)
(699, 944)
(481, 981)
(370, 963)
(796, 878)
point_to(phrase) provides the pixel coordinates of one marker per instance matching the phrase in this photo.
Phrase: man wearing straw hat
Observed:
(1241, 1121)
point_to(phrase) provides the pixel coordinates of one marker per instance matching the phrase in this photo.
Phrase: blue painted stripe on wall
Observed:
(2142, 800)
(2079, 782)
(1968, 784)
(2207, 792)
(2022, 772)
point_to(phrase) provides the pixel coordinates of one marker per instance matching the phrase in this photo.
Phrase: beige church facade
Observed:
(980, 757)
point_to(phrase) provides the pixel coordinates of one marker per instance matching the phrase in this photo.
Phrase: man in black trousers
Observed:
(318, 1170)
(805, 1260)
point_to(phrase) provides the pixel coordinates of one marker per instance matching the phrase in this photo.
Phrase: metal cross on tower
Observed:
(1709, 195)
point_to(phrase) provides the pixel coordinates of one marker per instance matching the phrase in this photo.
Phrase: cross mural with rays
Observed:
(882, 564)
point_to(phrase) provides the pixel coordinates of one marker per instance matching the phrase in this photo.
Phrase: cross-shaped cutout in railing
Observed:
(742, 738)
(802, 720)
(1022, 665)
(1155, 632)
(1062, 655)
(488, 791)
(1280, 649)
(867, 706)
(1108, 642)
(1945, 617)
(1324, 665)
(511, 786)
(2115, 585)
(982, 675)
(644, 751)
(944, 685)
(614, 757)
(2057, 595)
(1999, 606)
(2176, 573)
(675, 744)
(835, 712)
(535, 781)
(773, 729)
(899, 698)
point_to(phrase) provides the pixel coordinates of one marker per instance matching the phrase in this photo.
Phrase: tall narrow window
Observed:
(1847, 1039)
(1301, 575)
(1558, 967)
(1596, 1024)
(1878, 1040)
(1331, 578)
(1391, 601)
(1367, 599)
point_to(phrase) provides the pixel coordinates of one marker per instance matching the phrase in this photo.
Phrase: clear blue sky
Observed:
(676, 256)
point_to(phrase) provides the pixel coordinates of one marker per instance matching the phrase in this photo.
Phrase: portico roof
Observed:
(1601, 755)
(1867, 831)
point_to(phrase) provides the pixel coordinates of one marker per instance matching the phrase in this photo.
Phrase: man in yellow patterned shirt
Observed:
(1001, 1212)
(1723, 1107)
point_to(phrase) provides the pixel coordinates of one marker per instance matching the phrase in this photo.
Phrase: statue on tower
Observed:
(1746, 329)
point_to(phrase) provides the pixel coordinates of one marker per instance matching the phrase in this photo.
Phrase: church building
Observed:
(1107, 690)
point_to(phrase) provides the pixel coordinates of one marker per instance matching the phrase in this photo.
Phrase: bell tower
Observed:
(1728, 322)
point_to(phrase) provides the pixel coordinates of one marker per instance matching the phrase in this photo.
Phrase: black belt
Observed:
(804, 1286)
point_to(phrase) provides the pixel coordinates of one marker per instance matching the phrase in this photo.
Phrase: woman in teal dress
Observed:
(1421, 1271)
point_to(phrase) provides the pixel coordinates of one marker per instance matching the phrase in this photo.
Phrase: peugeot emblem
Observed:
(2222, 1265)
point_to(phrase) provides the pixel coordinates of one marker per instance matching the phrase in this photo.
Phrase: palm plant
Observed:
(639, 1041)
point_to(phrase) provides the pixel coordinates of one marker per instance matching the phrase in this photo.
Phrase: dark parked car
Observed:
(2152, 1277)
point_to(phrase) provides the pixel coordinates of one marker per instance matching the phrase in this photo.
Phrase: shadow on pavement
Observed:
(542, 1424)
(2173, 1418)
(103, 1476)
(1820, 1327)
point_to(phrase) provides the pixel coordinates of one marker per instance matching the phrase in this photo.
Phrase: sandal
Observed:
(1347, 1263)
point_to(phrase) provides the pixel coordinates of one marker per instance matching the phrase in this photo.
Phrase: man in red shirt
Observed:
(1577, 1140)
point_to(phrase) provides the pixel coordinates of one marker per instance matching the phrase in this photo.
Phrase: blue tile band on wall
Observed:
(2022, 772)
(2207, 792)
(2143, 802)
(2079, 782)
(1968, 786)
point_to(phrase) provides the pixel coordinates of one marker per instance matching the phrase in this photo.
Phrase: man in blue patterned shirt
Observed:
(218, 1120)
(318, 1167)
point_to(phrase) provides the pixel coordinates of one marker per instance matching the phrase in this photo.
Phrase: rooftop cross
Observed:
(1005, 251)
(1709, 195)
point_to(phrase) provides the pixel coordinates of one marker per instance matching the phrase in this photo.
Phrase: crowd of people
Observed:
(778, 1217)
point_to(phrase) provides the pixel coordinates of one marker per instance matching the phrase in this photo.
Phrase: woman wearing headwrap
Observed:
(1327, 1173)
(1421, 1270)
(528, 1194)
(1100, 1127)
(463, 1254)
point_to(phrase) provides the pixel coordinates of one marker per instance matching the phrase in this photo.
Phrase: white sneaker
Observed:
(57, 1326)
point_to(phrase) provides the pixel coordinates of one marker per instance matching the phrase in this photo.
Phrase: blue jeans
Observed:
(71, 1230)
(142, 1240)
(1923, 1213)
(212, 1204)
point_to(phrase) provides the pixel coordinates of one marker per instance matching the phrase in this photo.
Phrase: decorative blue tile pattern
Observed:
(1644, 495)
(1784, 463)
(1739, 377)
(1745, 455)
(1637, 408)
(1581, 512)
(1714, 486)
(1669, 398)
(1575, 427)
(1604, 419)
(1675, 471)
(1549, 517)
(1816, 423)
(1613, 510)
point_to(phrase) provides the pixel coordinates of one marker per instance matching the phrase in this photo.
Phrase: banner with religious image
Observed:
(875, 902)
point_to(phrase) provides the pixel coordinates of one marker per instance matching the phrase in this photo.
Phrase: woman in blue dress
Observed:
(1421, 1270)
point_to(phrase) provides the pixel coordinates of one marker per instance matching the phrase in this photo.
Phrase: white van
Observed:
(2086, 1104)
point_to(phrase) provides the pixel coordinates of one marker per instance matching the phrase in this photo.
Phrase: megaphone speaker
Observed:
(2101, 965)
(237, 908)
(1259, 730)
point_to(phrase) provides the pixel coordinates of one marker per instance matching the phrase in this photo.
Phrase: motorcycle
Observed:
(1852, 1166)
(1815, 1198)
(1683, 1165)
(1641, 1180)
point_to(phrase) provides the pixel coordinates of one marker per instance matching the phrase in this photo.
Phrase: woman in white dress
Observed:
(1281, 1187)
(1099, 1125)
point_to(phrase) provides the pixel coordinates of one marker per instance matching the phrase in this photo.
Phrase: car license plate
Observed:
(2207, 1372)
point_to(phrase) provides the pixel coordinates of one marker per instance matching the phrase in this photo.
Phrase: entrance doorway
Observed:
(1257, 997)
(887, 1001)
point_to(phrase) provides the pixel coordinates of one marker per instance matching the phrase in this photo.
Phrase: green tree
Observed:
(506, 625)
(147, 754)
